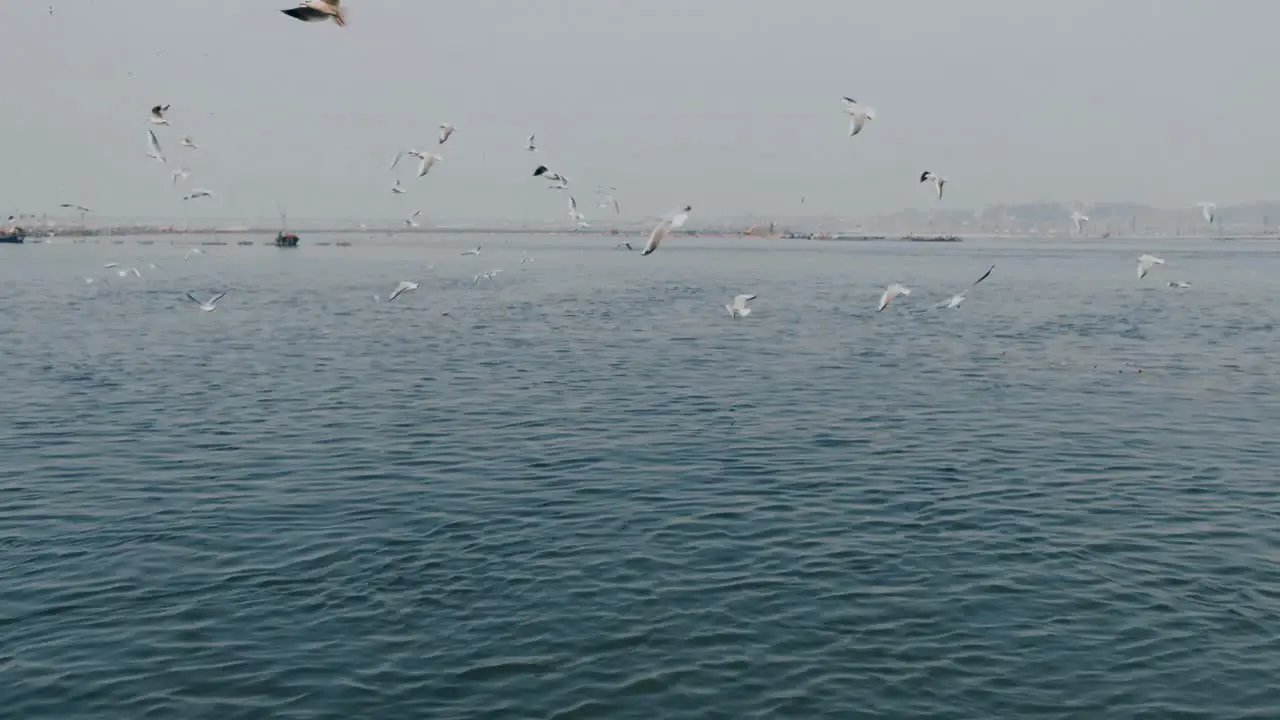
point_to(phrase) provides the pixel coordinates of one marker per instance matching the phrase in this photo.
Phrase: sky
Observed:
(732, 106)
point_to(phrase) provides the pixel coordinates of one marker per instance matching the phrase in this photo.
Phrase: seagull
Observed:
(396, 189)
(664, 228)
(180, 174)
(396, 160)
(524, 258)
(187, 142)
(583, 224)
(408, 222)
(475, 251)
(530, 146)
(890, 293)
(621, 245)
(1207, 209)
(192, 251)
(317, 11)
(938, 181)
(739, 307)
(542, 171)
(197, 193)
(427, 161)
(111, 265)
(1145, 263)
(446, 129)
(610, 200)
(153, 147)
(73, 206)
(402, 288)
(157, 115)
(210, 305)
(573, 211)
(954, 302)
(1079, 219)
(858, 115)
(1179, 284)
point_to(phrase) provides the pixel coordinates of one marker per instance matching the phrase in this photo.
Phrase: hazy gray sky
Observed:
(731, 105)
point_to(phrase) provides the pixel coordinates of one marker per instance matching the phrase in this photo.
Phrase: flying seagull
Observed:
(1079, 219)
(938, 181)
(890, 293)
(192, 251)
(428, 160)
(573, 210)
(530, 146)
(954, 302)
(401, 289)
(475, 251)
(408, 222)
(153, 147)
(73, 206)
(197, 193)
(1145, 263)
(664, 228)
(209, 305)
(858, 115)
(157, 115)
(1208, 210)
(396, 189)
(610, 201)
(1179, 284)
(317, 11)
(396, 160)
(180, 174)
(187, 142)
(555, 177)
(739, 307)
(446, 129)
(621, 245)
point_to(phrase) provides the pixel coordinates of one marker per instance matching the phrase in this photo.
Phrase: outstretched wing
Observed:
(193, 299)
(984, 275)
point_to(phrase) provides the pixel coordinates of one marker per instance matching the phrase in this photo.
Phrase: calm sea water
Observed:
(588, 493)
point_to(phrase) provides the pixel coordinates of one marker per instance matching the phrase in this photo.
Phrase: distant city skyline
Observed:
(732, 106)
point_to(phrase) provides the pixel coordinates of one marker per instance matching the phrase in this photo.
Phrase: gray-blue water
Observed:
(589, 493)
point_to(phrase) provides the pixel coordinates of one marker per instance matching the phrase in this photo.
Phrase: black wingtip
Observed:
(539, 170)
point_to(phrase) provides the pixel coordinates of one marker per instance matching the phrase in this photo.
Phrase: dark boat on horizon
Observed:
(14, 236)
(286, 240)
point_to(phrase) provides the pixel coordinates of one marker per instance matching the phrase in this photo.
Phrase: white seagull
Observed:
(197, 193)
(610, 201)
(475, 251)
(1145, 263)
(524, 258)
(409, 222)
(401, 289)
(954, 302)
(938, 181)
(573, 211)
(180, 174)
(1179, 284)
(1208, 210)
(664, 228)
(317, 11)
(739, 307)
(555, 177)
(530, 146)
(153, 147)
(858, 115)
(157, 115)
(428, 160)
(446, 129)
(192, 251)
(1079, 219)
(396, 189)
(890, 293)
(210, 305)
(187, 142)
(396, 160)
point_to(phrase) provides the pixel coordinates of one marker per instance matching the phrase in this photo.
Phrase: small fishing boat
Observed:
(13, 236)
(286, 240)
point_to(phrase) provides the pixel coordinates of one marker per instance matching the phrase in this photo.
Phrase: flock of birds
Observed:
(332, 10)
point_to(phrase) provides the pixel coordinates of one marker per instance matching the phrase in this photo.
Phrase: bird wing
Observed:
(856, 121)
(984, 275)
(306, 14)
(926, 176)
(656, 237)
(153, 143)
(395, 161)
(740, 301)
(216, 298)
(193, 299)
(573, 206)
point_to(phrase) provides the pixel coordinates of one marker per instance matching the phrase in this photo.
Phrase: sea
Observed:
(580, 489)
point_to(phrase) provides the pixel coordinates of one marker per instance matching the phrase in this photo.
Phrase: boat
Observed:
(13, 236)
(286, 240)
